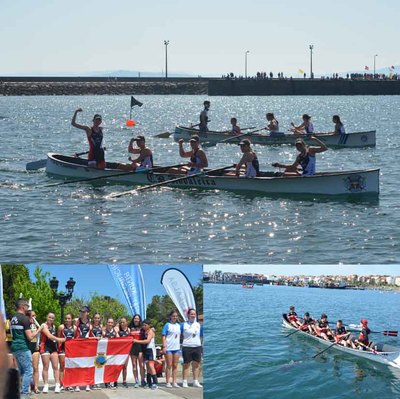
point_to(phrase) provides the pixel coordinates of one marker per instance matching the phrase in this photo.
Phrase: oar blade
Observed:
(390, 333)
(36, 165)
(164, 135)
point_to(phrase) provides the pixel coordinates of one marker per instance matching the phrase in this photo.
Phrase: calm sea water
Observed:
(248, 355)
(76, 223)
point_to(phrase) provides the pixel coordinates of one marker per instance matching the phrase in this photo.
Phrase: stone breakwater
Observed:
(38, 88)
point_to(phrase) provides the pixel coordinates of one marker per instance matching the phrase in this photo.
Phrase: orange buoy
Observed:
(130, 123)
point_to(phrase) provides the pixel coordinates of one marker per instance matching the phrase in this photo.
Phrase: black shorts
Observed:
(148, 354)
(136, 349)
(33, 347)
(192, 354)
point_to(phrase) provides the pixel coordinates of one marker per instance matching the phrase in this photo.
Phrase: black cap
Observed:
(138, 138)
(97, 116)
(84, 309)
(324, 316)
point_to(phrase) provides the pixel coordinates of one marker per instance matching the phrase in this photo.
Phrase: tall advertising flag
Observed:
(2, 305)
(130, 279)
(179, 290)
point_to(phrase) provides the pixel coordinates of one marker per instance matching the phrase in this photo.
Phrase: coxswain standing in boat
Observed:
(306, 127)
(307, 323)
(198, 158)
(292, 317)
(306, 159)
(249, 159)
(322, 328)
(96, 157)
(342, 337)
(339, 127)
(145, 159)
(204, 117)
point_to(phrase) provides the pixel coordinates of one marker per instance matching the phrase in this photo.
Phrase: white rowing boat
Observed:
(348, 140)
(345, 183)
(381, 353)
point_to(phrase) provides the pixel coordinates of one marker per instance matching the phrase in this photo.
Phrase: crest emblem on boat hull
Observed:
(355, 184)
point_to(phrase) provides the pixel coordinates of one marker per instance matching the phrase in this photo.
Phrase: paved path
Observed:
(122, 393)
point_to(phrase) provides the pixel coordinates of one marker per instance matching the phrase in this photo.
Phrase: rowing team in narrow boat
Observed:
(340, 335)
(306, 127)
(304, 165)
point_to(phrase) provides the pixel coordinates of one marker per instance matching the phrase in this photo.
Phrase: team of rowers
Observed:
(47, 342)
(247, 167)
(340, 335)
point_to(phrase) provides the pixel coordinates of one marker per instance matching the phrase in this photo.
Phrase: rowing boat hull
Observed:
(353, 183)
(350, 140)
(387, 354)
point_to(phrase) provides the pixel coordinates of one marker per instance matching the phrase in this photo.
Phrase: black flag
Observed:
(135, 102)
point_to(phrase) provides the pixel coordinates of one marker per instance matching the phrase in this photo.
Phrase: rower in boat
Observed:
(249, 159)
(204, 117)
(307, 323)
(339, 127)
(96, 157)
(306, 159)
(306, 127)
(235, 127)
(342, 337)
(144, 160)
(322, 328)
(198, 158)
(363, 339)
(292, 317)
(273, 124)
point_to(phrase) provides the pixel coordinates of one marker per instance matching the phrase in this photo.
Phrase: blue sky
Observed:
(97, 278)
(314, 270)
(206, 38)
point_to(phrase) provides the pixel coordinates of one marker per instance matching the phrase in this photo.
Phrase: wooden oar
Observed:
(117, 195)
(89, 179)
(293, 332)
(388, 333)
(36, 165)
(319, 353)
(208, 144)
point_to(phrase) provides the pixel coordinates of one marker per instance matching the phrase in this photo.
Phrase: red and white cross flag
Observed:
(92, 361)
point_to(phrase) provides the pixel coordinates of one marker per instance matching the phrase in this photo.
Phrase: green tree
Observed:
(10, 272)
(104, 305)
(40, 292)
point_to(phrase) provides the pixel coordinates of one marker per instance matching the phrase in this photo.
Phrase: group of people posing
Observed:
(247, 166)
(320, 328)
(30, 341)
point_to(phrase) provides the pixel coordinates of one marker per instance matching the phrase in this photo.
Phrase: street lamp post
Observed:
(166, 42)
(311, 52)
(376, 55)
(245, 63)
(62, 297)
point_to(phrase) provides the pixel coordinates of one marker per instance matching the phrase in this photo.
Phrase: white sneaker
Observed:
(175, 385)
(168, 385)
(57, 388)
(197, 384)
(61, 388)
(45, 388)
(77, 389)
(87, 388)
(184, 384)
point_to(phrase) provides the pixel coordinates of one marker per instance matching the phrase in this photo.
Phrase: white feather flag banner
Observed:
(179, 290)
